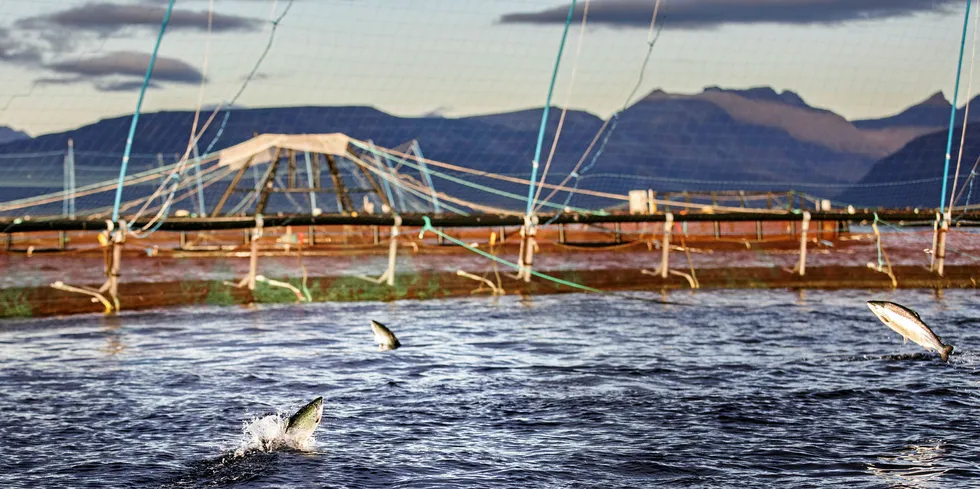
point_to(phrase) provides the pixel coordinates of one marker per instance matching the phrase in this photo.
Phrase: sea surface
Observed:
(729, 389)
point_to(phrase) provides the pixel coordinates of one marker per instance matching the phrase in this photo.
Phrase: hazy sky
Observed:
(65, 63)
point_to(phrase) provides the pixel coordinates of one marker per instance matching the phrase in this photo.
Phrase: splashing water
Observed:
(268, 434)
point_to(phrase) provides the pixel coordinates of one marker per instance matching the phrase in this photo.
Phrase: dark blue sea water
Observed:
(740, 389)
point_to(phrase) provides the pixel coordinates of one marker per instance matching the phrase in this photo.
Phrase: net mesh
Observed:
(741, 106)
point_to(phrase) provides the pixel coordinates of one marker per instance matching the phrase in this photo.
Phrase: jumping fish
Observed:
(302, 424)
(907, 323)
(384, 337)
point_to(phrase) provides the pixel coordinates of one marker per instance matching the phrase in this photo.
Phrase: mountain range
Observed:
(719, 139)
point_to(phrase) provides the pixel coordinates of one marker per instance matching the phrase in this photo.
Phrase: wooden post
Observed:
(253, 258)
(941, 247)
(758, 230)
(803, 230)
(62, 240)
(618, 232)
(231, 187)
(312, 235)
(561, 233)
(266, 188)
(665, 245)
(525, 258)
(182, 240)
(376, 232)
(393, 251)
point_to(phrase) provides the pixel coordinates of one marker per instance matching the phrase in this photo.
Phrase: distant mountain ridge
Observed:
(8, 134)
(756, 138)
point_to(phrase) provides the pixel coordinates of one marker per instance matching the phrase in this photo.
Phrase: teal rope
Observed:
(136, 115)
(428, 227)
(952, 112)
(547, 107)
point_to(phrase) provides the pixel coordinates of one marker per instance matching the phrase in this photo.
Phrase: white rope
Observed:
(966, 110)
(194, 136)
(652, 37)
(568, 98)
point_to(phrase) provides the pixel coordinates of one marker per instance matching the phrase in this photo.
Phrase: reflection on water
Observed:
(112, 326)
(917, 466)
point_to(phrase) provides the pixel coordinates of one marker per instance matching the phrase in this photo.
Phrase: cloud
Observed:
(702, 14)
(106, 18)
(125, 86)
(15, 51)
(130, 63)
(122, 71)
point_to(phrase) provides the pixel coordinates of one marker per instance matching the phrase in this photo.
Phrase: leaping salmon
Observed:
(907, 323)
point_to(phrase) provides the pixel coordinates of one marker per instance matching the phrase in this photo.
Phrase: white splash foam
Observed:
(268, 434)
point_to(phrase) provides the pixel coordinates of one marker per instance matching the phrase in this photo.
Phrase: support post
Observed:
(561, 233)
(253, 257)
(941, 245)
(393, 251)
(117, 237)
(935, 239)
(618, 232)
(62, 240)
(376, 232)
(388, 276)
(801, 266)
(665, 246)
(268, 183)
(528, 244)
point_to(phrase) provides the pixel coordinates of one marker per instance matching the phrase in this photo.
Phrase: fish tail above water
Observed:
(384, 337)
(945, 353)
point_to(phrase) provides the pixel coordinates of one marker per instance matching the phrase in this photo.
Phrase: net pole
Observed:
(136, 114)
(952, 112)
(547, 107)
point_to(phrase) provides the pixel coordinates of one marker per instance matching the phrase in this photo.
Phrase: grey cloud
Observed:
(108, 18)
(105, 70)
(701, 14)
(124, 86)
(15, 51)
